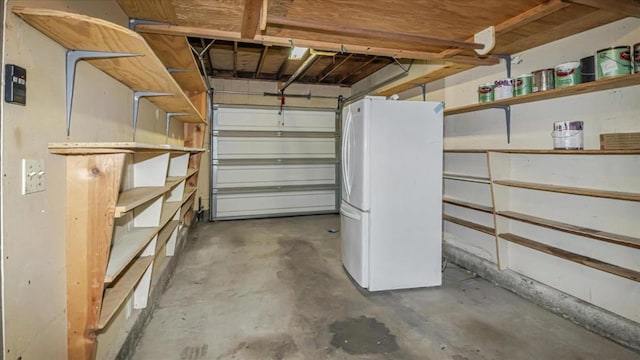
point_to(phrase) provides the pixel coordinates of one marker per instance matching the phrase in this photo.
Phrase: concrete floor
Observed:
(275, 289)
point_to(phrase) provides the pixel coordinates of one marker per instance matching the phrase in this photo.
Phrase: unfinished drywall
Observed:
(250, 92)
(33, 244)
(531, 125)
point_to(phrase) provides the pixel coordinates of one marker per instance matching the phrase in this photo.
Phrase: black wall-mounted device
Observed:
(15, 80)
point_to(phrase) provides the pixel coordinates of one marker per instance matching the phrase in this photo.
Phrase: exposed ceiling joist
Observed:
(370, 33)
(250, 18)
(527, 17)
(332, 68)
(625, 7)
(263, 56)
(320, 45)
(362, 66)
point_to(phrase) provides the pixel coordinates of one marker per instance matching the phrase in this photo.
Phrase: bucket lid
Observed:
(548, 69)
(570, 65)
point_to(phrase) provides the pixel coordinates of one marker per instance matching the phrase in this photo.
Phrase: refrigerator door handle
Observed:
(345, 154)
(350, 214)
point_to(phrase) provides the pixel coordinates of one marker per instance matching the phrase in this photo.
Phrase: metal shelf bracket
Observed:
(72, 58)
(424, 91)
(135, 22)
(175, 70)
(507, 60)
(169, 116)
(507, 115)
(136, 102)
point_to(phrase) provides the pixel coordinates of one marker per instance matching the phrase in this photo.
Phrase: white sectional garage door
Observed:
(268, 164)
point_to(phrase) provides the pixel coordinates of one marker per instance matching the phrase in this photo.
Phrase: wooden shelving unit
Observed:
(464, 177)
(570, 190)
(567, 255)
(469, 224)
(141, 72)
(468, 205)
(584, 88)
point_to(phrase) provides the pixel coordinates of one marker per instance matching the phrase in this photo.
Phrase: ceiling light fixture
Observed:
(297, 52)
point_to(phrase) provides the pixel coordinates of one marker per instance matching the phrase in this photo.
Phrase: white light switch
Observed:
(33, 176)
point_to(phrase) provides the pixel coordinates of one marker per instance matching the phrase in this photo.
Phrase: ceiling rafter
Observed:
(333, 67)
(263, 56)
(362, 66)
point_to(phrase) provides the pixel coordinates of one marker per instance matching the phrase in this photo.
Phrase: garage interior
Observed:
(173, 180)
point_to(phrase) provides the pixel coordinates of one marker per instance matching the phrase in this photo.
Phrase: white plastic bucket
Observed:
(568, 135)
(503, 89)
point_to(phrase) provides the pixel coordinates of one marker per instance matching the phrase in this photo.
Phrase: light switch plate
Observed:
(33, 176)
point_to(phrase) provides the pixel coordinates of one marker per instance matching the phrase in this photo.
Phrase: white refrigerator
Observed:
(391, 211)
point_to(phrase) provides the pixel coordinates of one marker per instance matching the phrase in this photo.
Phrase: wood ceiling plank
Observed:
(358, 69)
(328, 71)
(345, 30)
(250, 18)
(519, 20)
(174, 52)
(156, 10)
(623, 7)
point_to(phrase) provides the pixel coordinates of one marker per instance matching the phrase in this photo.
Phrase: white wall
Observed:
(33, 244)
(614, 110)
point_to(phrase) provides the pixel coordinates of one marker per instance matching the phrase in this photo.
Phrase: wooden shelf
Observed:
(572, 229)
(130, 199)
(188, 191)
(115, 296)
(571, 190)
(584, 88)
(567, 152)
(127, 249)
(166, 232)
(580, 259)
(191, 172)
(140, 73)
(468, 205)
(115, 147)
(469, 224)
(169, 210)
(464, 177)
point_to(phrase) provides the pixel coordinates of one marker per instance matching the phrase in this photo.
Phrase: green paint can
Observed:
(524, 85)
(568, 74)
(486, 93)
(613, 61)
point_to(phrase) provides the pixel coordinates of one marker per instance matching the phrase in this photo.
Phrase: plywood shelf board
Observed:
(482, 228)
(130, 199)
(126, 249)
(573, 229)
(584, 88)
(114, 297)
(188, 191)
(169, 210)
(618, 195)
(140, 73)
(465, 177)
(166, 232)
(570, 256)
(468, 205)
(101, 147)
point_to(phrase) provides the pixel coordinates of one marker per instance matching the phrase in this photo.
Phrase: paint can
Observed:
(636, 58)
(485, 93)
(503, 89)
(613, 61)
(524, 85)
(588, 68)
(543, 80)
(568, 135)
(568, 74)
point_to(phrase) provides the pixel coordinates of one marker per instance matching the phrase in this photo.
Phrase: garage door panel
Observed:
(268, 148)
(239, 205)
(245, 176)
(270, 120)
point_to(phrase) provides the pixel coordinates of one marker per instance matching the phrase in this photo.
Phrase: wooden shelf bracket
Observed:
(72, 58)
(136, 102)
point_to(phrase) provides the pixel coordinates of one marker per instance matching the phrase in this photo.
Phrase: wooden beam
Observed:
(261, 61)
(347, 31)
(362, 66)
(330, 69)
(93, 183)
(250, 18)
(527, 17)
(625, 7)
(263, 15)
(447, 70)
(319, 45)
